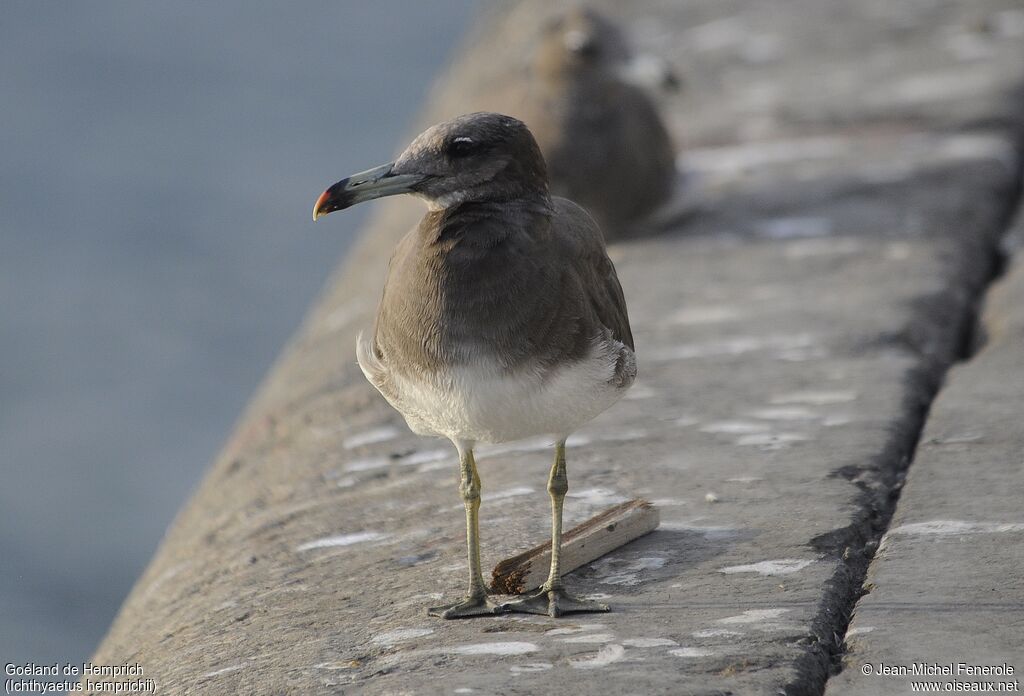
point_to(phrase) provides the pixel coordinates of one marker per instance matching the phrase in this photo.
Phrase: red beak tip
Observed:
(319, 205)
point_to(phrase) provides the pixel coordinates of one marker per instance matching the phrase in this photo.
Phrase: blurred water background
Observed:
(158, 165)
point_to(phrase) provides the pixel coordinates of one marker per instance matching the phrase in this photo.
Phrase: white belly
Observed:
(481, 403)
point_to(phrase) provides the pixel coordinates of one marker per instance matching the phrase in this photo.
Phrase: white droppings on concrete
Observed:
(337, 665)
(738, 345)
(223, 670)
(367, 464)
(794, 227)
(370, 437)
(760, 49)
(962, 438)
(433, 466)
(616, 571)
(420, 599)
(691, 652)
(802, 354)
(815, 398)
(589, 638)
(711, 497)
(649, 563)
(539, 444)
(717, 633)
(708, 532)
(530, 667)
(667, 502)
(784, 413)
(753, 616)
(943, 86)
(771, 441)
(782, 566)
(859, 630)
(807, 248)
(401, 634)
(969, 46)
(507, 493)
(898, 251)
(648, 642)
(597, 496)
(463, 690)
(346, 482)
(710, 314)
(1008, 24)
(971, 146)
(341, 540)
(610, 653)
(733, 427)
(953, 527)
(504, 648)
(570, 630)
(885, 173)
(769, 292)
(426, 457)
(717, 35)
(739, 158)
(621, 435)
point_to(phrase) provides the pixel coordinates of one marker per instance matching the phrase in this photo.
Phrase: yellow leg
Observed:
(558, 486)
(477, 602)
(551, 598)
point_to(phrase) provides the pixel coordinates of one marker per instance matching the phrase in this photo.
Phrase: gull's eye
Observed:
(461, 147)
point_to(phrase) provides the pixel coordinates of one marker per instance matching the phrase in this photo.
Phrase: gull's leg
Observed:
(477, 603)
(552, 598)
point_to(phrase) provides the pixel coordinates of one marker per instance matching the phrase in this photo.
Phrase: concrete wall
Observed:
(850, 170)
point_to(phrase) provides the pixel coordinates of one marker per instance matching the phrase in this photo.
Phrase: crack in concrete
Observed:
(856, 544)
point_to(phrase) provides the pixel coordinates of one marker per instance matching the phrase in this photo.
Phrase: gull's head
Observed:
(577, 40)
(473, 158)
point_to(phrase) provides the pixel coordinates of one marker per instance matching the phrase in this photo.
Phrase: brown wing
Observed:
(584, 246)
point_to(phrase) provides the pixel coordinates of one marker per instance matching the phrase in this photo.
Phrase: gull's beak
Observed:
(365, 186)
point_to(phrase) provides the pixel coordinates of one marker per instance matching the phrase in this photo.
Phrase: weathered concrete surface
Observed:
(946, 585)
(848, 189)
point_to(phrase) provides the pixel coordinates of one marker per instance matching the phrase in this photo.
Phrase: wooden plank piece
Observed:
(582, 544)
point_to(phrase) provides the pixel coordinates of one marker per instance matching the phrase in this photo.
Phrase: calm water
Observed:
(158, 165)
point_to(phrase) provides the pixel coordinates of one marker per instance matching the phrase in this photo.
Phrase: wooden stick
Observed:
(582, 544)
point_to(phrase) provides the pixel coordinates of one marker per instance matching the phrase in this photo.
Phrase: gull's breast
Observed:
(484, 402)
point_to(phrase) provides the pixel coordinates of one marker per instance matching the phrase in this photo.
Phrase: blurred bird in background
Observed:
(604, 142)
(502, 316)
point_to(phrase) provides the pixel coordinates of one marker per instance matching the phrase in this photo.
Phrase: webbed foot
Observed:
(474, 605)
(553, 603)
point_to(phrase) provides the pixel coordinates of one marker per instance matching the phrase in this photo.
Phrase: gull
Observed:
(605, 144)
(502, 316)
